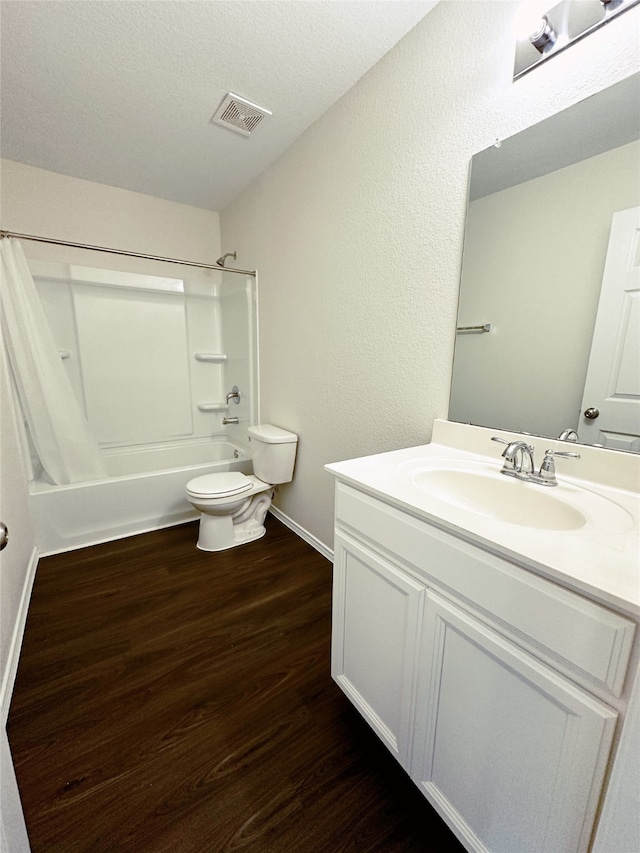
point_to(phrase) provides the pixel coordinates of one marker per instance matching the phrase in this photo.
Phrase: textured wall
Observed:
(36, 201)
(357, 234)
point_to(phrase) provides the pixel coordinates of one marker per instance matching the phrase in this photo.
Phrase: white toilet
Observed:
(234, 505)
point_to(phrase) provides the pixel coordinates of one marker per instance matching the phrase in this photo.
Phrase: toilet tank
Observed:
(273, 451)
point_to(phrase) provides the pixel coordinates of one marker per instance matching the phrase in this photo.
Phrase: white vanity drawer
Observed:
(585, 639)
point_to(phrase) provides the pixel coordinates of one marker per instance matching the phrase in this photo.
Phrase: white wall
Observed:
(35, 201)
(357, 233)
(17, 570)
(543, 243)
(18, 559)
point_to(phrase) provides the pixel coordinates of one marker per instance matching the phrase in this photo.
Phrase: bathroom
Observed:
(356, 231)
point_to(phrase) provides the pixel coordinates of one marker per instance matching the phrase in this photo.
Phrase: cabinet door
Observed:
(509, 752)
(376, 615)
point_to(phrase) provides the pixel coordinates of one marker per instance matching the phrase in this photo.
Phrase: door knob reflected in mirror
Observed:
(4, 535)
(591, 413)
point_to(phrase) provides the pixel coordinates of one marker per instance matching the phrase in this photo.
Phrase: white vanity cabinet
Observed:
(495, 688)
(376, 621)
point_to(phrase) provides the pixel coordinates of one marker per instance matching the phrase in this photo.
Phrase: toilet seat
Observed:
(223, 485)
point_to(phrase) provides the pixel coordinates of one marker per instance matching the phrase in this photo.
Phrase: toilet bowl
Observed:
(233, 506)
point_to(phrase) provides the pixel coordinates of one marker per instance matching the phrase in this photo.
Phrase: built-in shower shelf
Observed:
(213, 407)
(214, 357)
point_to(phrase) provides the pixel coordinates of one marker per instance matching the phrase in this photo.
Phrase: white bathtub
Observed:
(138, 498)
(121, 461)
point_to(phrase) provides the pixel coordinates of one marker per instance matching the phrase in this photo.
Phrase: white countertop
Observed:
(600, 559)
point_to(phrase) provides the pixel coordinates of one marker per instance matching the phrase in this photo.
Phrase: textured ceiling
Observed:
(122, 91)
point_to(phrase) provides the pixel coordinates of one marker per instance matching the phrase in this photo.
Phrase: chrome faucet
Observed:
(518, 459)
(521, 454)
(234, 395)
(226, 421)
(519, 462)
(568, 435)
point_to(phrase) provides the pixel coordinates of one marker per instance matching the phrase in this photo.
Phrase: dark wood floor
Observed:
(171, 700)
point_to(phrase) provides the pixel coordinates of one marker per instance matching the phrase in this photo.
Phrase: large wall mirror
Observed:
(549, 312)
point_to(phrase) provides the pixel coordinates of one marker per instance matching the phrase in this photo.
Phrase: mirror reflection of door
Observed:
(612, 388)
(538, 222)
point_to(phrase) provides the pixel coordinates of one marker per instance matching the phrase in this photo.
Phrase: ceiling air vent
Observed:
(238, 114)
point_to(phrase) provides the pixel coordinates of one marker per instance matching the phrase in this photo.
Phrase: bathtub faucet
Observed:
(234, 395)
(226, 421)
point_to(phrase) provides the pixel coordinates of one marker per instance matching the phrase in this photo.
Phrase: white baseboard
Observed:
(9, 675)
(302, 533)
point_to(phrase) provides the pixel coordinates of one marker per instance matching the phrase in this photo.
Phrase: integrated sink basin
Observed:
(481, 489)
(506, 499)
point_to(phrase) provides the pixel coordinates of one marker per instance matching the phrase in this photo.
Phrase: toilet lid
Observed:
(219, 485)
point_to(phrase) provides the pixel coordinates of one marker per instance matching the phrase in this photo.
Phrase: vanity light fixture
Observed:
(559, 27)
(544, 38)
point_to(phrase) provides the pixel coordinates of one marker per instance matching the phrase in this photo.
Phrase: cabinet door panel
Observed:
(376, 609)
(510, 752)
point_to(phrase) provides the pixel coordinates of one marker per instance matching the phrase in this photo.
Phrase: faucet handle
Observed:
(234, 395)
(547, 473)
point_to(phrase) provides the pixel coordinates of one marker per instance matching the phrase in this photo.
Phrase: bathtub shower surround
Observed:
(147, 355)
(151, 360)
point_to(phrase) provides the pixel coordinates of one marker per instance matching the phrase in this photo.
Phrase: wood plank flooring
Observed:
(172, 700)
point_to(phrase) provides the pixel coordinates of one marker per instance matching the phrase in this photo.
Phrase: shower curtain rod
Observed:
(4, 233)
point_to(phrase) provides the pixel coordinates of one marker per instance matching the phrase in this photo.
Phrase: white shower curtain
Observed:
(67, 450)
